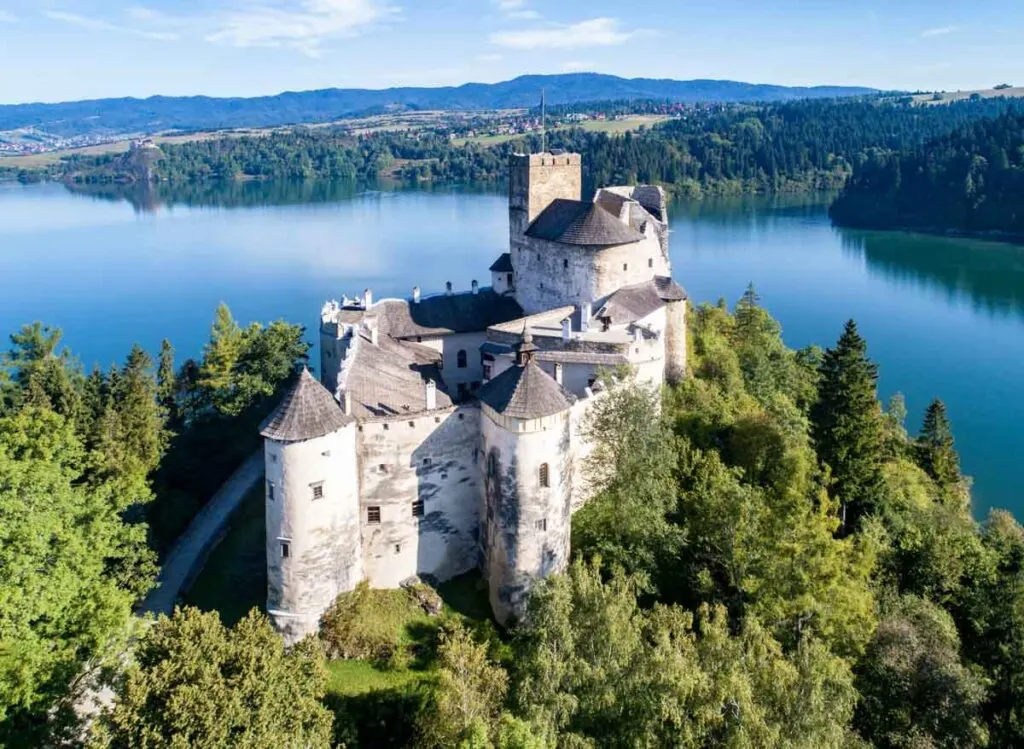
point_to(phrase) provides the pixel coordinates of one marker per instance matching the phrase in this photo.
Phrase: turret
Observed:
(525, 431)
(312, 507)
(535, 181)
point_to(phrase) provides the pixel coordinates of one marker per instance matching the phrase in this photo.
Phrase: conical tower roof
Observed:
(308, 410)
(524, 390)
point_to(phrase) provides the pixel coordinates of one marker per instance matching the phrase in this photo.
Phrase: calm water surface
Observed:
(943, 317)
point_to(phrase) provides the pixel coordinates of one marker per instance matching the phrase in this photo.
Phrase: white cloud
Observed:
(597, 32)
(509, 5)
(523, 15)
(940, 31)
(98, 24)
(302, 25)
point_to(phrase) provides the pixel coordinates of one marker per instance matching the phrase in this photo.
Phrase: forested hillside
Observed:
(771, 560)
(971, 180)
(159, 113)
(796, 146)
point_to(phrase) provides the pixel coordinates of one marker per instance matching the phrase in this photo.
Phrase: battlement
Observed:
(545, 159)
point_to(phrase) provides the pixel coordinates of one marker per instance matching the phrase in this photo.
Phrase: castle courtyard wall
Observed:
(429, 457)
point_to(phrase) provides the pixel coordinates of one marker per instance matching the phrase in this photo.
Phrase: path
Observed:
(190, 550)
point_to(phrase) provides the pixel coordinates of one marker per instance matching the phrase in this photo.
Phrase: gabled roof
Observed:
(307, 411)
(632, 303)
(580, 223)
(503, 264)
(389, 378)
(526, 392)
(444, 314)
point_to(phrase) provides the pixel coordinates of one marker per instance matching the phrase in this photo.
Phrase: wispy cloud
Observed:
(303, 25)
(6, 17)
(596, 32)
(940, 31)
(99, 24)
(516, 10)
(489, 58)
(575, 66)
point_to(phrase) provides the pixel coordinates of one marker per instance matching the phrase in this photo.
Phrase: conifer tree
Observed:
(166, 382)
(847, 424)
(936, 453)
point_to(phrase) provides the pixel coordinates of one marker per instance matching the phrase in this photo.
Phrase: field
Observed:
(36, 160)
(985, 93)
(612, 127)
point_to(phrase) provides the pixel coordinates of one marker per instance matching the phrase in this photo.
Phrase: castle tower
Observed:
(525, 431)
(536, 180)
(312, 507)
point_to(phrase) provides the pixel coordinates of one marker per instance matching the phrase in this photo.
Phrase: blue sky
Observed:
(53, 50)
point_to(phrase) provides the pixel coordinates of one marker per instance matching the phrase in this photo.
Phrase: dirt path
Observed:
(188, 553)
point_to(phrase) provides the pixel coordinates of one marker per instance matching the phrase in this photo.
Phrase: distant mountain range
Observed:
(160, 113)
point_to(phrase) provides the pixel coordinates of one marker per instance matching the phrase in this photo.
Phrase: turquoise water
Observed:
(943, 317)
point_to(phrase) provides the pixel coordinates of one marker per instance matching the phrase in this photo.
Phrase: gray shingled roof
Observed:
(526, 392)
(307, 411)
(580, 223)
(444, 314)
(632, 303)
(503, 264)
(389, 379)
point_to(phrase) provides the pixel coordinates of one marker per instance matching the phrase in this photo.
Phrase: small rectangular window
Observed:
(373, 515)
(650, 262)
(270, 491)
(509, 279)
(625, 266)
(541, 525)
(417, 508)
(285, 550)
(383, 468)
(545, 477)
(318, 490)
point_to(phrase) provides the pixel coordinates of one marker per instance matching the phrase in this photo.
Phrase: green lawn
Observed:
(234, 578)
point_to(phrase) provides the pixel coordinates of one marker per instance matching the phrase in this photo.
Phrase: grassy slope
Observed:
(234, 580)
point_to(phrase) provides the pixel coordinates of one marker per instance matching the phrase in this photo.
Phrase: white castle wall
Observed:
(324, 555)
(526, 527)
(429, 457)
(550, 275)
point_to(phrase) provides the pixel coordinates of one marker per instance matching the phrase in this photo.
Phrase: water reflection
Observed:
(990, 275)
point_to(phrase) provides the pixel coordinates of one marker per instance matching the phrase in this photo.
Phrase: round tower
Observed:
(527, 468)
(312, 507)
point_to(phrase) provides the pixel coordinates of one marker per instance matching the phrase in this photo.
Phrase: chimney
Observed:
(558, 372)
(566, 329)
(431, 395)
(584, 317)
(346, 402)
(476, 287)
(448, 288)
(371, 329)
(415, 294)
(367, 298)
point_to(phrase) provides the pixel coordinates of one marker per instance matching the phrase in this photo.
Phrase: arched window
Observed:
(565, 264)
(460, 359)
(545, 478)
(492, 465)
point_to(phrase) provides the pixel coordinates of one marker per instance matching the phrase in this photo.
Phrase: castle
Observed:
(444, 435)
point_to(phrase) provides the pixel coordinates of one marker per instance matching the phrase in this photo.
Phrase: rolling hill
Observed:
(161, 113)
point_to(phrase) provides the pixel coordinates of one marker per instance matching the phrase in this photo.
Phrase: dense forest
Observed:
(771, 559)
(795, 146)
(971, 180)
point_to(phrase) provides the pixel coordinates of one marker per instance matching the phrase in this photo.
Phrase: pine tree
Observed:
(166, 382)
(220, 356)
(936, 453)
(847, 424)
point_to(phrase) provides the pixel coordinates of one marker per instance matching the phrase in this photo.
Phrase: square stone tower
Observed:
(537, 179)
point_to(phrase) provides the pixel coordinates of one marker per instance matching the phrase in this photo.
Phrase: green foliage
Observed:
(847, 424)
(936, 451)
(914, 689)
(70, 567)
(195, 683)
(969, 180)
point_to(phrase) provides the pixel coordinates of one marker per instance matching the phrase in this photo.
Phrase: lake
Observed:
(942, 317)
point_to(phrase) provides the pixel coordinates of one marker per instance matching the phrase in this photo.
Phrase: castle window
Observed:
(460, 359)
(545, 478)
(625, 266)
(538, 256)
(270, 491)
(373, 515)
(398, 548)
(492, 464)
(509, 279)
(412, 424)
(426, 461)
(285, 550)
(383, 467)
(487, 371)
(386, 427)
(540, 525)
(462, 390)
(417, 508)
(565, 264)
(650, 262)
(273, 457)
(318, 490)
(326, 453)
